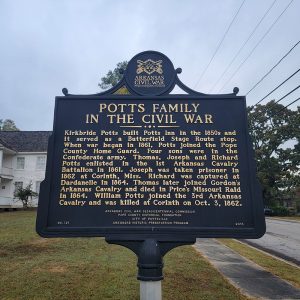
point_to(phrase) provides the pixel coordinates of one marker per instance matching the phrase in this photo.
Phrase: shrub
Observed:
(280, 211)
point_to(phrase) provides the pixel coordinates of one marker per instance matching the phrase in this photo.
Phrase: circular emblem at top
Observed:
(150, 73)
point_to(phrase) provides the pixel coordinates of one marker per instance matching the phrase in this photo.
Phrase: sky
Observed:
(46, 45)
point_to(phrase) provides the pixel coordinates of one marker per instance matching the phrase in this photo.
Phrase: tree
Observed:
(25, 195)
(113, 77)
(275, 132)
(8, 125)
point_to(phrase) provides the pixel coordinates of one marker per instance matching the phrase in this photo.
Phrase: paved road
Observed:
(282, 238)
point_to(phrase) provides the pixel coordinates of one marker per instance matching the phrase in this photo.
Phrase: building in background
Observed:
(22, 161)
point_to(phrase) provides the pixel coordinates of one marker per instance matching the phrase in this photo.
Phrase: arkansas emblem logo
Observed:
(149, 66)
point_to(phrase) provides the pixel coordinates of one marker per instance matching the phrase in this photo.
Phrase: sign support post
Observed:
(150, 290)
(150, 170)
(150, 254)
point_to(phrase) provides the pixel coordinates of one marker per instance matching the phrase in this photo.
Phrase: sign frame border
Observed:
(163, 233)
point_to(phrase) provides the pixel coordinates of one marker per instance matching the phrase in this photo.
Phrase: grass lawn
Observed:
(292, 218)
(273, 265)
(89, 268)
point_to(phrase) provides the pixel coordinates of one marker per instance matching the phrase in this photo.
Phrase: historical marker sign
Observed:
(150, 163)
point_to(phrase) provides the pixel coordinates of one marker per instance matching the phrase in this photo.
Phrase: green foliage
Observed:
(275, 133)
(113, 77)
(25, 195)
(297, 198)
(280, 211)
(8, 125)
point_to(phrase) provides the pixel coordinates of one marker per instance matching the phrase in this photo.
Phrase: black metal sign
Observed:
(150, 164)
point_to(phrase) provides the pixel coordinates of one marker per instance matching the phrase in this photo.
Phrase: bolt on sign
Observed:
(150, 164)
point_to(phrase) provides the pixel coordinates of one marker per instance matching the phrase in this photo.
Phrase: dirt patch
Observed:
(30, 248)
(57, 269)
(41, 242)
(51, 268)
(3, 253)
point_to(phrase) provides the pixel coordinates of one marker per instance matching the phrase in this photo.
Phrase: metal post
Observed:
(150, 254)
(150, 290)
